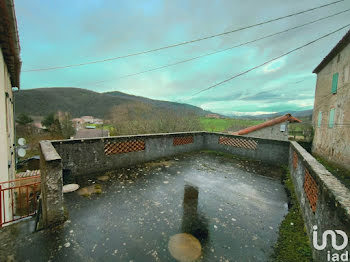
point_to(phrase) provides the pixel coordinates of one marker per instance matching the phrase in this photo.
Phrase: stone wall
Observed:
(323, 199)
(86, 156)
(332, 143)
(80, 157)
(269, 151)
(51, 185)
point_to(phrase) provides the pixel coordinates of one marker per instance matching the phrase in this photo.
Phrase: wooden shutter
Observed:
(319, 119)
(335, 83)
(331, 117)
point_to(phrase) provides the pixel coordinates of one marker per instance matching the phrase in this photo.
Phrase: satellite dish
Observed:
(21, 152)
(22, 141)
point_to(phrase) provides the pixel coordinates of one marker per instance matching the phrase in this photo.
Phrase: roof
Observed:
(28, 173)
(337, 49)
(77, 119)
(9, 40)
(272, 122)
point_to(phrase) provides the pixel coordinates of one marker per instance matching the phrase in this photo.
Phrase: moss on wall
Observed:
(293, 244)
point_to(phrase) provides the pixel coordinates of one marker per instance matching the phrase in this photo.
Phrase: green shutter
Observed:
(331, 118)
(335, 83)
(319, 119)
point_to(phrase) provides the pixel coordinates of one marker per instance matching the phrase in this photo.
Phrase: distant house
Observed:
(10, 66)
(90, 133)
(77, 123)
(213, 116)
(276, 128)
(77, 120)
(87, 119)
(97, 121)
(331, 114)
(38, 125)
(91, 120)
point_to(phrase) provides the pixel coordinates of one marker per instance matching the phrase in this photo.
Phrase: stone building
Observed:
(10, 66)
(331, 115)
(276, 128)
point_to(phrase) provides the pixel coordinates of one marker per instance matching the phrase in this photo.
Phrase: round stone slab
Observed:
(184, 247)
(70, 188)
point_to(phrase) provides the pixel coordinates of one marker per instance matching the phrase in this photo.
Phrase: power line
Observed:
(269, 61)
(183, 43)
(322, 98)
(219, 51)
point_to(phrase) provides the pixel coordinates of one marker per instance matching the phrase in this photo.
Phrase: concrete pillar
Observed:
(51, 185)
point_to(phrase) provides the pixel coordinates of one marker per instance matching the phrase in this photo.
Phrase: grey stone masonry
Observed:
(324, 200)
(84, 156)
(267, 150)
(51, 185)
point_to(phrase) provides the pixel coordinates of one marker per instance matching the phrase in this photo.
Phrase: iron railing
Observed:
(18, 198)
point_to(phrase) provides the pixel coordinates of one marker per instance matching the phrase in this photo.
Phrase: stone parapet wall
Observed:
(270, 151)
(51, 185)
(324, 200)
(85, 156)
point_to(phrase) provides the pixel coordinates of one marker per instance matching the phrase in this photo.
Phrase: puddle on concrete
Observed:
(155, 212)
(184, 247)
(165, 163)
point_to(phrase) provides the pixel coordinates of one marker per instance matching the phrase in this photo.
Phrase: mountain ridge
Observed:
(79, 102)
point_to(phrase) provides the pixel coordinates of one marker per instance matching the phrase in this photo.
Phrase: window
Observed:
(331, 117)
(319, 119)
(283, 128)
(335, 83)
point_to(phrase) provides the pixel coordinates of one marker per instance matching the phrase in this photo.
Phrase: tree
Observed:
(140, 118)
(24, 119)
(48, 120)
(67, 127)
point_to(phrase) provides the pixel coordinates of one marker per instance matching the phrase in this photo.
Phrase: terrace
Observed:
(183, 196)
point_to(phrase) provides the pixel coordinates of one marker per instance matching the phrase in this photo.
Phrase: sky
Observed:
(64, 32)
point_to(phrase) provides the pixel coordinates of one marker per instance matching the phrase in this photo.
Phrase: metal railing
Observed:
(18, 198)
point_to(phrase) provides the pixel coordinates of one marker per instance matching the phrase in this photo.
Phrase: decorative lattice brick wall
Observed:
(295, 160)
(124, 147)
(311, 190)
(183, 140)
(238, 142)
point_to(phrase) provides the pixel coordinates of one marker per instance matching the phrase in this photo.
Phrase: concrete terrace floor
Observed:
(233, 207)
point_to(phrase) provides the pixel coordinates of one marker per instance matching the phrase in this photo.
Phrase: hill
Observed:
(299, 114)
(80, 102)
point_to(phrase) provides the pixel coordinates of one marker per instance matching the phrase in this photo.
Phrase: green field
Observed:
(220, 125)
(104, 126)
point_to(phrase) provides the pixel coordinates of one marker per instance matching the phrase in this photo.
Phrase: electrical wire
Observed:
(182, 43)
(269, 61)
(216, 52)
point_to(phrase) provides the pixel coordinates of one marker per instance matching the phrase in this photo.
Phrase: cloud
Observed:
(274, 66)
(52, 34)
(256, 113)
